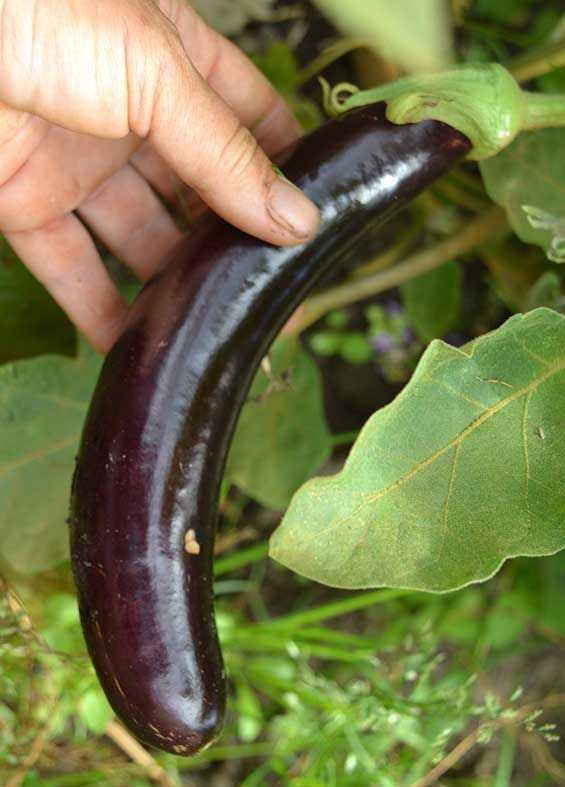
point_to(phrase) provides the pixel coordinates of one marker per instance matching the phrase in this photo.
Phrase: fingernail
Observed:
(292, 210)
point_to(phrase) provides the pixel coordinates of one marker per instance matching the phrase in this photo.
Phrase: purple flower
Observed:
(393, 308)
(382, 342)
(408, 335)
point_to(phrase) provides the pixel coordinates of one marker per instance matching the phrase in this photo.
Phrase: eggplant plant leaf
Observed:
(281, 436)
(464, 469)
(31, 323)
(528, 180)
(43, 402)
(432, 300)
(415, 34)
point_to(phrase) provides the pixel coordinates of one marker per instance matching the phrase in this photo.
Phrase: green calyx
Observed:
(482, 101)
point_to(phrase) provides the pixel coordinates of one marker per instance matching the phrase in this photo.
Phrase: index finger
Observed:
(203, 139)
(239, 83)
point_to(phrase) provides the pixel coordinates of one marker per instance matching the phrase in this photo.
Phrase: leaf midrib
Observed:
(41, 453)
(373, 497)
(479, 421)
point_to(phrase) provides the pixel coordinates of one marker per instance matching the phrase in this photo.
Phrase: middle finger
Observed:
(126, 214)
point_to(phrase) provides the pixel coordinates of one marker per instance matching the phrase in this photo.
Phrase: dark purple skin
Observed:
(165, 407)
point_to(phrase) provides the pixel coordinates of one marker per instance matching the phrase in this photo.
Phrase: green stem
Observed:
(240, 558)
(506, 755)
(344, 439)
(330, 55)
(539, 62)
(543, 110)
(392, 254)
(335, 609)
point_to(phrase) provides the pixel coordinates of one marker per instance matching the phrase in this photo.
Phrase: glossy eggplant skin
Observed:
(165, 407)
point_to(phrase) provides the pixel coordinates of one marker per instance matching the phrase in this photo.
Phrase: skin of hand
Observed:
(109, 109)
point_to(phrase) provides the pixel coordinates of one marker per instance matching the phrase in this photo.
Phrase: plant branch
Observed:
(137, 754)
(391, 255)
(34, 753)
(543, 758)
(482, 229)
(539, 62)
(464, 746)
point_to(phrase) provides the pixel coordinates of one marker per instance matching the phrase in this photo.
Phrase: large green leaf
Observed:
(31, 323)
(463, 470)
(414, 33)
(43, 402)
(281, 436)
(528, 180)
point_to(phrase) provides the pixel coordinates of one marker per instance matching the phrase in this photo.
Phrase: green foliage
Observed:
(280, 66)
(281, 437)
(94, 710)
(336, 690)
(47, 686)
(388, 340)
(507, 11)
(378, 706)
(547, 291)
(31, 323)
(463, 470)
(530, 173)
(353, 346)
(432, 301)
(552, 592)
(43, 402)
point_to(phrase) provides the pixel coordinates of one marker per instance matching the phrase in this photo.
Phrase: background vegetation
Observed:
(383, 688)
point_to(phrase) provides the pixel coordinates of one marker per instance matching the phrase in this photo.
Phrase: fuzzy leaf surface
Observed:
(43, 402)
(464, 469)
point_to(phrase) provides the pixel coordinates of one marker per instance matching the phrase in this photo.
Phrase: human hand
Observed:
(105, 104)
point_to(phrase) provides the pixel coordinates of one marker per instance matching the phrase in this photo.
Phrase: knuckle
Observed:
(153, 53)
(239, 153)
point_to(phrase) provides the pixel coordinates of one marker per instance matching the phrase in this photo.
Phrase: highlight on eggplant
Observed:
(145, 489)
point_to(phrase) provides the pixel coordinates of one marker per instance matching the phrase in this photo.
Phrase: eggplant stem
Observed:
(482, 101)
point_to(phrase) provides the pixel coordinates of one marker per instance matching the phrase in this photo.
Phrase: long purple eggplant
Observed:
(145, 490)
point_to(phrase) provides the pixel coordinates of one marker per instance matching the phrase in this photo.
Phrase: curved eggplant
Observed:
(145, 490)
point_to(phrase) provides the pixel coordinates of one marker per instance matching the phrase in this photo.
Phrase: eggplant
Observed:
(145, 489)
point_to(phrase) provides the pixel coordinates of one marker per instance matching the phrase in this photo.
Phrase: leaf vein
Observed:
(454, 391)
(531, 353)
(473, 426)
(445, 517)
(458, 439)
(527, 457)
(65, 401)
(8, 467)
